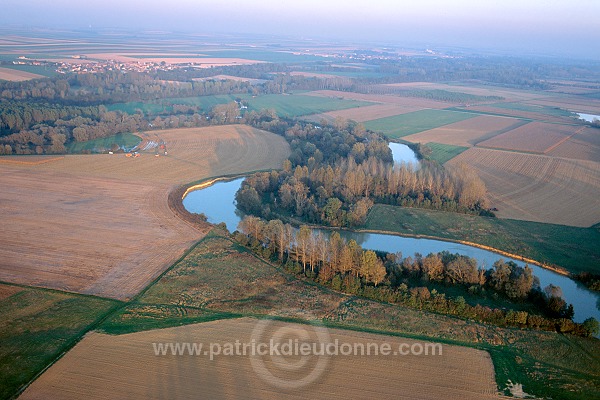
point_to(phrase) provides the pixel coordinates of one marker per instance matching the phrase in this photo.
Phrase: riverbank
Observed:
(562, 249)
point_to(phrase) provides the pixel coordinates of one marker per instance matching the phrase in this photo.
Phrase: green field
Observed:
(146, 107)
(165, 106)
(295, 105)
(575, 249)
(414, 122)
(123, 140)
(285, 105)
(444, 152)
(37, 326)
(552, 111)
(358, 73)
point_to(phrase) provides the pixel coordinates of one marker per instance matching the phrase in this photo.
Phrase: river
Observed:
(217, 202)
(588, 117)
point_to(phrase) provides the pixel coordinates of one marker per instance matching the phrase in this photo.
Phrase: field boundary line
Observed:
(563, 140)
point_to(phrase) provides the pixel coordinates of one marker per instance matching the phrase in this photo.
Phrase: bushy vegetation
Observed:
(346, 267)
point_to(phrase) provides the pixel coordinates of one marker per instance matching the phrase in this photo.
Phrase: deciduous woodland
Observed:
(345, 266)
(336, 174)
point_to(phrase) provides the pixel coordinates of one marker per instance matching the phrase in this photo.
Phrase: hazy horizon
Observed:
(533, 27)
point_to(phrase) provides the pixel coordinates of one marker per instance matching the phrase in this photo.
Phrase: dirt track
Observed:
(101, 224)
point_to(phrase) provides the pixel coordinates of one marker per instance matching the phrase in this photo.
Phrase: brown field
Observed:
(535, 137)
(9, 74)
(521, 114)
(101, 224)
(583, 146)
(29, 160)
(368, 113)
(381, 98)
(575, 104)
(103, 366)
(537, 187)
(463, 133)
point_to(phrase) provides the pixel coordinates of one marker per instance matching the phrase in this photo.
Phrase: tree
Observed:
(591, 327)
(58, 143)
(252, 226)
(462, 270)
(520, 283)
(371, 267)
(433, 267)
(284, 237)
(345, 263)
(331, 210)
(500, 275)
(302, 244)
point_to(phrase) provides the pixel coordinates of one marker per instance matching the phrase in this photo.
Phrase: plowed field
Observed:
(103, 366)
(538, 188)
(101, 224)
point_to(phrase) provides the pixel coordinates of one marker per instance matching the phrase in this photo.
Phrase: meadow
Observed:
(101, 145)
(414, 122)
(285, 105)
(37, 326)
(572, 248)
(441, 153)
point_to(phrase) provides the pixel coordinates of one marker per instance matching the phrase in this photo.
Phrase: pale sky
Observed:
(541, 26)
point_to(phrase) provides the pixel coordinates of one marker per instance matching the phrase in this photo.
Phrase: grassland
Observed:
(444, 152)
(569, 247)
(124, 140)
(94, 229)
(414, 122)
(37, 326)
(536, 187)
(285, 105)
(165, 106)
(297, 104)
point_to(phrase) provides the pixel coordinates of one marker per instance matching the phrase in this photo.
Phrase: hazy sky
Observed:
(561, 27)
